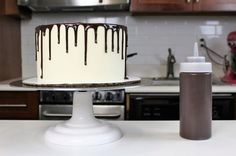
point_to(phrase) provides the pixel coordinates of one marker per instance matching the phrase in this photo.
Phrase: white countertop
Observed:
(149, 138)
(5, 86)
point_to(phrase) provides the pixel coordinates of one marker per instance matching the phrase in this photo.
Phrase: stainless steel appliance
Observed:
(146, 106)
(74, 5)
(57, 105)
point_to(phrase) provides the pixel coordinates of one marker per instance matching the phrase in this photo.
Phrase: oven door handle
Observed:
(108, 116)
(47, 114)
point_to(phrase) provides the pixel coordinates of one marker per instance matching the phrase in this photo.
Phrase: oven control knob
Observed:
(51, 97)
(97, 96)
(67, 98)
(109, 96)
(119, 96)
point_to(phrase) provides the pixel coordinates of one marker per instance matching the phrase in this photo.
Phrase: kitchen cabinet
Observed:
(149, 6)
(182, 6)
(19, 105)
(215, 5)
(10, 8)
(10, 39)
(10, 48)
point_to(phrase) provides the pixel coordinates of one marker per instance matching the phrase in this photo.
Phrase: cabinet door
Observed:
(10, 48)
(215, 5)
(9, 7)
(162, 6)
(19, 105)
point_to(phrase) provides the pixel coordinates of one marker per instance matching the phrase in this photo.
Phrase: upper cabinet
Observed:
(10, 48)
(215, 5)
(10, 8)
(182, 6)
(150, 6)
(10, 40)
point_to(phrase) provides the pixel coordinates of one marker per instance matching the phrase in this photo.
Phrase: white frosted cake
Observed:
(81, 53)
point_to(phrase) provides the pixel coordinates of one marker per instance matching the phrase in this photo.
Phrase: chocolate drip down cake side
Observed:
(81, 55)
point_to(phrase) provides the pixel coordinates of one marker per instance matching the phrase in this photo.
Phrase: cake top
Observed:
(86, 25)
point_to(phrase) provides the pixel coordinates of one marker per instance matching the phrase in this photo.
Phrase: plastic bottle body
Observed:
(195, 105)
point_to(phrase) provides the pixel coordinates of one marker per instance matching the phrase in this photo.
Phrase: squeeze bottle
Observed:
(195, 97)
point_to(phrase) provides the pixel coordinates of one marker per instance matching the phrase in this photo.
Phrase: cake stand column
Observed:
(83, 128)
(82, 112)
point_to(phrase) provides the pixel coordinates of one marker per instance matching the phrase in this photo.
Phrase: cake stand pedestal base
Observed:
(83, 128)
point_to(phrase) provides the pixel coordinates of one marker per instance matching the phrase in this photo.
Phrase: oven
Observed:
(57, 105)
(145, 106)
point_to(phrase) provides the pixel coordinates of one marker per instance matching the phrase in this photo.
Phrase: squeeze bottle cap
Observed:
(196, 63)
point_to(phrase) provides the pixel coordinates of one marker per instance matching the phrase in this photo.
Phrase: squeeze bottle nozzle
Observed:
(196, 57)
(195, 63)
(195, 50)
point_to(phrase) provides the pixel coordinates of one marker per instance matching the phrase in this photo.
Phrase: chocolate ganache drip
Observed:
(126, 38)
(75, 28)
(114, 29)
(58, 33)
(112, 40)
(36, 44)
(42, 34)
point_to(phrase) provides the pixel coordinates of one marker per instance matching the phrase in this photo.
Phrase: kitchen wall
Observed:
(150, 36)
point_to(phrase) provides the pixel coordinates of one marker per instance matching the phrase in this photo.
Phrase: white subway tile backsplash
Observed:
(116, 18)
(147, 30)
(29, 60)
(136, 20)
(143, 59)
(97, 19)
(150, 36)
(29, 40)
(28, 71)
(132, 30)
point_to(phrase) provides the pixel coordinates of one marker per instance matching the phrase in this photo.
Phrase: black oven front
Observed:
(57, 105)
(146, 106)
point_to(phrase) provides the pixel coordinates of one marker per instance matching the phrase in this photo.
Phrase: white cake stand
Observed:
(83, 129)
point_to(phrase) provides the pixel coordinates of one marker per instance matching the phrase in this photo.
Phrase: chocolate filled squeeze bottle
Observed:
(195, 97)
